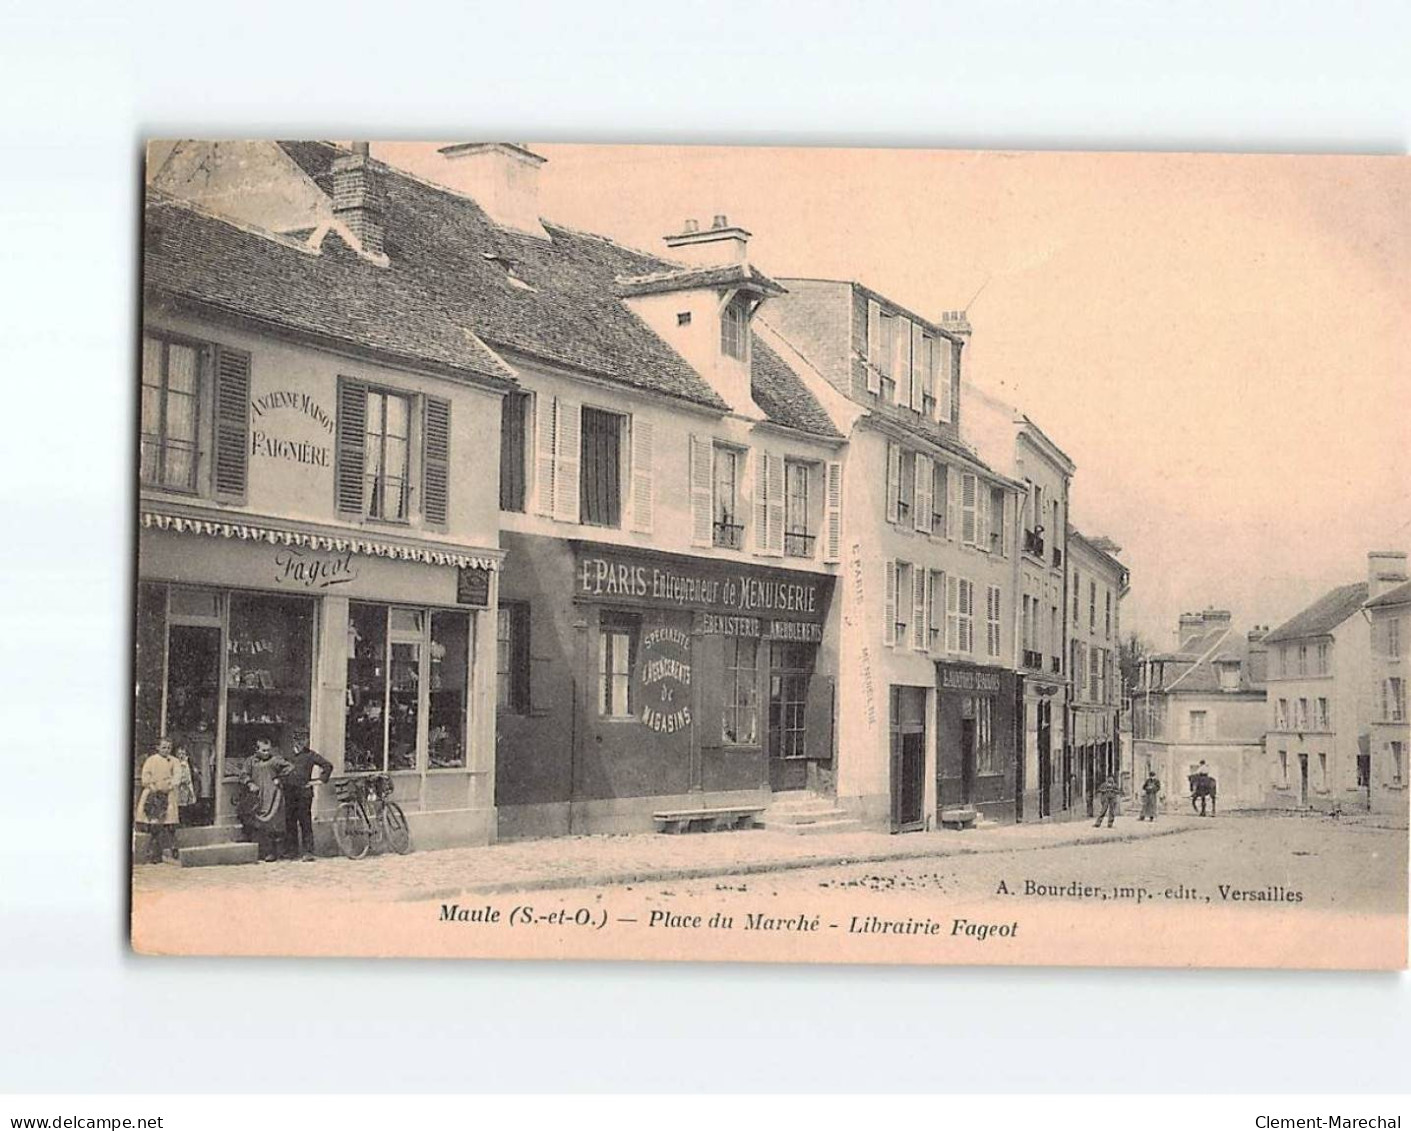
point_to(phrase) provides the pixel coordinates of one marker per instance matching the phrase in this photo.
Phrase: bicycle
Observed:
(368, 816)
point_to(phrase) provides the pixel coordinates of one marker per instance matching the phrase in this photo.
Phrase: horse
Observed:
(1202, 786)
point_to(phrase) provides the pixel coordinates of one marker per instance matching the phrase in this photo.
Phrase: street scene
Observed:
(501, 531)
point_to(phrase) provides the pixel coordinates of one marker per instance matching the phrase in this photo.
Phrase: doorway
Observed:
(789, 668)
(908, 758)
(1045, 737)
(193, 710)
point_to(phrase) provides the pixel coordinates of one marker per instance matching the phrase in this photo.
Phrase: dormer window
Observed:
(1229, 675)
(734, 330)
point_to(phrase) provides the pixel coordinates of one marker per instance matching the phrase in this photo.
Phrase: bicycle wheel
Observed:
(394, 828)
(352, 831)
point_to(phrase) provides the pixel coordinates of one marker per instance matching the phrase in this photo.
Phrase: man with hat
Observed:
(308, 767)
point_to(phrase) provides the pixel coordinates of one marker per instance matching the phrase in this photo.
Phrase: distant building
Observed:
(1389, 610)
(1204, 702)
(1320, 695)
(1097, 584)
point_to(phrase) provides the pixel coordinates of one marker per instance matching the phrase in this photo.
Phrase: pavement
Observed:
(564, 863)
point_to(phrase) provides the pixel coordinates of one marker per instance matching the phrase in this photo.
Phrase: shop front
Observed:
(977, 727)
(380, 650)
(654, 681)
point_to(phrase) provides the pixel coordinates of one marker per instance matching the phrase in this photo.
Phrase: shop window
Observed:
(268, 673)
(984, 736)
(512, 658)
(740, 725)
(600, 478)
(728, 527)
(406, 665)
(789, 668)
(618, 636)
(514, 428)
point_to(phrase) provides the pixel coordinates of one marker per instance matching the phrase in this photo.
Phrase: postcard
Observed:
(771, 555)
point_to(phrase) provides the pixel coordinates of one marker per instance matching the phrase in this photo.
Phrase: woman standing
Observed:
(157, 811)
(1151, 793)
(185, 787)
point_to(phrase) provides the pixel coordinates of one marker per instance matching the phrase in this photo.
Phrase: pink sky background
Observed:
(1219, 342)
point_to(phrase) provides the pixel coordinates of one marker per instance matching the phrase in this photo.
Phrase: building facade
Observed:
(1321, 696)
(1011, 442)
(1389, 613)
(928, 716)
(311, 550)
(1203, 701)
(1097, 583)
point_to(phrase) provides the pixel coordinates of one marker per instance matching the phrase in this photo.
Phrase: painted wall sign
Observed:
(806, 632)
(951, 678)
(663, 677)
(302, 569)
(473, 587)
(775, 596)
(266, 442)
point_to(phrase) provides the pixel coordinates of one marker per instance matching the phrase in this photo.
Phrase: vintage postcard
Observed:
(772, 554)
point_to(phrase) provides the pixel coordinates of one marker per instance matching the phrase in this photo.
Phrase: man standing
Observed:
(1108, 791)
(309, 767)
(1151, 795)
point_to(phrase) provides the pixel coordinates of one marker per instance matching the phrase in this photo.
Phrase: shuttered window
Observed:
(600, 493)
(514, 417)
(373, 464)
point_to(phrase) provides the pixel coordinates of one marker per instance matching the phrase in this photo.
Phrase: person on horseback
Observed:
(1202, 783)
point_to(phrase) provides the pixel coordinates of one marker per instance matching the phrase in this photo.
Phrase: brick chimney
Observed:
(1188, 624)
(957, 322)
(500, 177)
(1386, 569)
(720, 245)
(357, 200)
(1216, 618)
(1258, 654)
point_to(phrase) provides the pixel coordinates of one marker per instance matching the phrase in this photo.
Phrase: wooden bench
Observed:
(707, 820)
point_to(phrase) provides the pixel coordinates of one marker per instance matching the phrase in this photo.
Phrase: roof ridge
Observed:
(169, 200)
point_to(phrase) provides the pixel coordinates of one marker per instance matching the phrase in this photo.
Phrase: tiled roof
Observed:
(782, 396)
(689, 278)
(1400, 595)
(1324, 615)
(1193, 668)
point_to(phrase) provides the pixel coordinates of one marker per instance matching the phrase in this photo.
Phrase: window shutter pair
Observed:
(833, 514)
(901, 361)
(893, 480)
(921, 495)
(643, 478)
(889, 606)
(875, 360)
(558, 428)
(918, 361)
(918, 608)
(232, 421)
(944, 348)
(701, 529)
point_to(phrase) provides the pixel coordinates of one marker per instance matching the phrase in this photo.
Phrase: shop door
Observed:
(967, 760)
(193, 710)
(908, 741)
(1045, 761)
(1067, 775)
(1303, 779)
(788, 737)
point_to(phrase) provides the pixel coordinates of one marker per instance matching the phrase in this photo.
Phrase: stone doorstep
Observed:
(229, 852)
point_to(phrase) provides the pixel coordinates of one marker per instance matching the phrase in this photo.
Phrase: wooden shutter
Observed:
(700, 491)
(889, 607)
(935, 610)
(982, 514)
(436, 461)
(967, 615)
(349, 445)
(918, 608)
(232, 431)
(953, 504)
(893, 480)
(922, 495)
(774, 488)
(545, 429)
(943, 377)
(568, 438)
(642, 475)
(901, 361)
(762, 462)
(833, 513)
(874, 347)
(818, 717)
(918, 362)
(967, 509)
(952, 614)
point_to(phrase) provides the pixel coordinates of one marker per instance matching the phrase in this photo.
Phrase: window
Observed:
(1324, 656)
(1321, 719)
(1079, 670)
(600, 479)
(1095, 674)
(939, 498)
(618, 634)
(171, 413)
(1077, 597)
(798, 535)
(1198, 726)
(997, 527)
(740, 725)
(734, 330)
(927, 362)
(903, 602)
(728, 528)
(514, 417)
(1092, 606)
(1281, 714)
(1394, 700)
(1393, 637)
(1323, 772)
(906, 487)
(1284, 767)
(992, 621)
(935, 609)
(405, 665)
(1300, 717)
(1303, 659)
(1229, 675)
(887, 351)
(387, 452)
(512, 658)
(1398, 763)
(1107, 630)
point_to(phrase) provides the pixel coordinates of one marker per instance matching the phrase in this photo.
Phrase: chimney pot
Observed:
(719, 221)
(690, 226)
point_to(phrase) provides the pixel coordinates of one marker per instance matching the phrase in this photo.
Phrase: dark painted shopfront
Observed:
(977, 728)
(633, 681)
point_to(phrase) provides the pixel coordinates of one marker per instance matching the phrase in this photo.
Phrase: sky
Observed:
(1219, 342)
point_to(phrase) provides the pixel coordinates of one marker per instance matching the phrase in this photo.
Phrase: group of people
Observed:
(1110, 790)
(274, 798)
